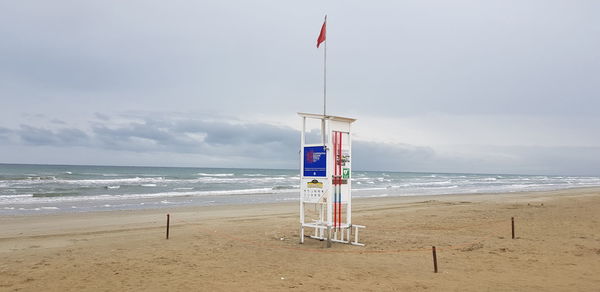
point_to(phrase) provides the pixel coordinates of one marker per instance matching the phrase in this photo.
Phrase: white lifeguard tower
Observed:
(325, 181)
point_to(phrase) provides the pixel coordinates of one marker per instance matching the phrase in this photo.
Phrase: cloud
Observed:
(101, 116)
(181, 140)
(4, 134)
(390, 156)
(218, 138)
(58, 122)
(232, 140)
(62, 137)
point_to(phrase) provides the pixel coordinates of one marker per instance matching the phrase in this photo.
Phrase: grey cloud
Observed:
(58, 122)
(265, 145)
(4, 134)
(430, 56)
(37, 136)
(225, 133)
(563, 160)
(388, 156)
(101, 116)
(188, 136)
(62, 137)
(221, 138)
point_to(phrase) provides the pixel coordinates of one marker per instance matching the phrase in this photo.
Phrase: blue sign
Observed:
(315, 161)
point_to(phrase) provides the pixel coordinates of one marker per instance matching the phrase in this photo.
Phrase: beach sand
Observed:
(255, 247)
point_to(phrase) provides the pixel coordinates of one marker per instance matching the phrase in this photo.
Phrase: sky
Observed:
(435, 86)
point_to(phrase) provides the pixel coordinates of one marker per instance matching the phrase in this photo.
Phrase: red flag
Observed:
(323, 33)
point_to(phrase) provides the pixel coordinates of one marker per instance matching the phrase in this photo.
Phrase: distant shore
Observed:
(255, 247)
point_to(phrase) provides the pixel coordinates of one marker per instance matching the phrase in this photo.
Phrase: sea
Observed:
(42, 189)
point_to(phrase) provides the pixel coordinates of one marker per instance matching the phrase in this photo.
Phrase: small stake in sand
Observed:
(512, 224)
(168, 217)
(435, 269)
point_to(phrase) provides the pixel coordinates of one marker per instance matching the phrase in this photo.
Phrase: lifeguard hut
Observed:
(325, 181)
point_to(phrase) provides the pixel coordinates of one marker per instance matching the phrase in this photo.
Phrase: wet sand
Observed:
(255, 247)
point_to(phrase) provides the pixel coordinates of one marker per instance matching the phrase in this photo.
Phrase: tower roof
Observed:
(327, 117)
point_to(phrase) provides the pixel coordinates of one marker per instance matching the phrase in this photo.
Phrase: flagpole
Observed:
(325, 76)
(324, 91)
(323, 134)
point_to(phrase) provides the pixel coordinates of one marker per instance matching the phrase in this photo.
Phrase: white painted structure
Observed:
(325, 181)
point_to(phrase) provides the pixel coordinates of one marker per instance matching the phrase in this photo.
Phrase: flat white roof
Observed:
(328, 117)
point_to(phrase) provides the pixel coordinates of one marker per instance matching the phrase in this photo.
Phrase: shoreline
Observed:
(211, 201)
(255, 247)
(214, 210)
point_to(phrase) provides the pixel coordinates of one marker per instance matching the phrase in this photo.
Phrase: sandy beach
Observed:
(255, 247)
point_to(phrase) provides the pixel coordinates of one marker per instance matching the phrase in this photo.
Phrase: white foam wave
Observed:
(154, 180)
(214, 174)
(2, 197)
(376, 196)
(368, 189)
(107, 197)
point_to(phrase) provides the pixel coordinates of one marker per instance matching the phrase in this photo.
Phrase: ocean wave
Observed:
(15, 196)
(106, 182)
(427, 184)
(151, 180)
(50, 195)
(214, 174)
(29, 178)
(368, 189)
(285, 187)
(376, 196)
(55, 197)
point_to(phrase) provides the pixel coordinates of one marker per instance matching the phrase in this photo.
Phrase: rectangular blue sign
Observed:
(315, 161)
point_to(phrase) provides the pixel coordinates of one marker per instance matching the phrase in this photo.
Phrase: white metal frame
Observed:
(322, 197)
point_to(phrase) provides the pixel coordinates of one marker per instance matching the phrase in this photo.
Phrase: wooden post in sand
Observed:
(168, 217)
(512, 225)
(435, 269)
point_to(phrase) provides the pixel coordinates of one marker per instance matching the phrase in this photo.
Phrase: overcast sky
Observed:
(439, 86)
